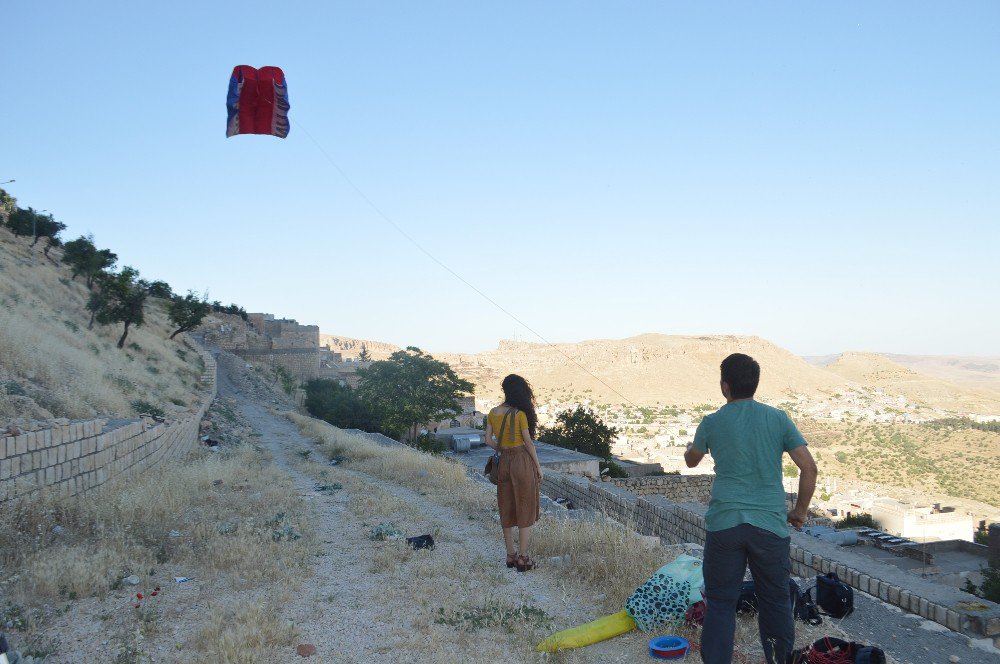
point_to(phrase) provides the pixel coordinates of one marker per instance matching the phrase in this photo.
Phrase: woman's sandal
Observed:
(524, 563)
(511, 560)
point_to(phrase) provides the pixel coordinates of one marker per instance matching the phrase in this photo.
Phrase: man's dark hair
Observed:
(742, 374)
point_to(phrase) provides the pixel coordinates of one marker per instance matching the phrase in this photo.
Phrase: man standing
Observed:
(747, 521)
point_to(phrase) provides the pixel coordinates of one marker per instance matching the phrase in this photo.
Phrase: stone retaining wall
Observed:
(679, 488)
(679, 522)
(74, 457)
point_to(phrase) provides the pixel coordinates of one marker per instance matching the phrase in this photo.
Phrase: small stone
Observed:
(131, 580)
(306, 650)
(953, 658)
(217, 483)
(58, 531)
(12, 430)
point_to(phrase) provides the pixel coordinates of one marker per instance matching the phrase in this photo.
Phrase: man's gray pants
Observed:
(727, 553)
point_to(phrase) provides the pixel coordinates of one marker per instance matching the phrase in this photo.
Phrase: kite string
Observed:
(448, 269)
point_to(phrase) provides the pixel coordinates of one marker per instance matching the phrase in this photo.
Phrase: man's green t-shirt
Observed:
(747, 439)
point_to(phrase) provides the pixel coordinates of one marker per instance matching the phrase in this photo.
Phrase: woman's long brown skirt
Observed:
(517, 488)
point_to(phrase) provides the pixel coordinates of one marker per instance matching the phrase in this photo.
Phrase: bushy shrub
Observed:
(425, 442)
(614, 469)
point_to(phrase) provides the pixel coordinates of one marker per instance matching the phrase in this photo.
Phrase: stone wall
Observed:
(303, 363)
(679, 488)
(682, 522)
(73, 457)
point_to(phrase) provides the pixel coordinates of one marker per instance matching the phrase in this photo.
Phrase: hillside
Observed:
(979, 372)
(647, 369)
(350, 347)
(878, 371)
(53, 366)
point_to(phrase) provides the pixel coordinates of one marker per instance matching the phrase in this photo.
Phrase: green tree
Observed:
(339, 405)
(160, 289)
(187, 312)
(990, 587)
(120, 299)
(581, 430)
(7, 206)
(21, 219)
(409, 389)
(858, 520)
(364, 355)
(790, 470)
(46, 226)
(85, 258)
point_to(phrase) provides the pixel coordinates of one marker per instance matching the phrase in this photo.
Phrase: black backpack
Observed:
(801, 602)
(835, 597)
(838, 651)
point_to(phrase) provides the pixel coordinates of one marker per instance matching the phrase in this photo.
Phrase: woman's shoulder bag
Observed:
(492, 470)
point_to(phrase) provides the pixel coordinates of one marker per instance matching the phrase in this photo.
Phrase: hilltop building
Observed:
(922, 523)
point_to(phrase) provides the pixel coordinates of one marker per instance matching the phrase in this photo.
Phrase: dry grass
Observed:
(53, 366)
(374, 502)
(251, 634)
(597, 550)
(402, 465)
(226, 512)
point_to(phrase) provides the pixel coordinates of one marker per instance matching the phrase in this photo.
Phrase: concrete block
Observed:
(940, 614)
(894, 595)
(904, 599)
(953, 621)
(992, 627)
(924, 608)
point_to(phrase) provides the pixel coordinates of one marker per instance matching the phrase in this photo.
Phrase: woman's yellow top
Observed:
(511, 434)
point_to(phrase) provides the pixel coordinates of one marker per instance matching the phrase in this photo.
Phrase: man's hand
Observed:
(693, 457)
(797, 518)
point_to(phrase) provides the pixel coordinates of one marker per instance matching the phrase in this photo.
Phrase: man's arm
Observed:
(807, 484)
(693, 457)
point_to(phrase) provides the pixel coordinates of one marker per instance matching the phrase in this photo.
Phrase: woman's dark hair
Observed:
(742, 374)
(517, 393)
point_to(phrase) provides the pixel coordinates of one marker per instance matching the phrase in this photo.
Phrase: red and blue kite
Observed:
(257, 102)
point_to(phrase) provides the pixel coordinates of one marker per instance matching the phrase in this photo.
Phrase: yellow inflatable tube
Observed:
(593, 632)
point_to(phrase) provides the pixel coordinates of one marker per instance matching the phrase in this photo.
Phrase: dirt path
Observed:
(343, 608)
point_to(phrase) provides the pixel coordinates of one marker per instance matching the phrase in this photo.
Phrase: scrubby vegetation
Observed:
(59, 333)
(933, 457)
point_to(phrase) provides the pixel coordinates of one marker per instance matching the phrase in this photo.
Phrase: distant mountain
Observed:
(981, 372)
(647, 369)
(877, 370)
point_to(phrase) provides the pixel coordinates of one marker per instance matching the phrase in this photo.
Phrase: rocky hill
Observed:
(879, 371)
(350, 347)
(647, 369)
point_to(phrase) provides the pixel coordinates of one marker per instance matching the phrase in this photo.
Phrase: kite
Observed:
(257, 102)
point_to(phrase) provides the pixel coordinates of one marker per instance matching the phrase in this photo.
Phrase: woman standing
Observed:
(510, 429)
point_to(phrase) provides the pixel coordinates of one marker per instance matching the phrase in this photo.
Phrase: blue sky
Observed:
(824, 175)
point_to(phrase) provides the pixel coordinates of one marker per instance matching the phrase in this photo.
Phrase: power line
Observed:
(448, 269)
